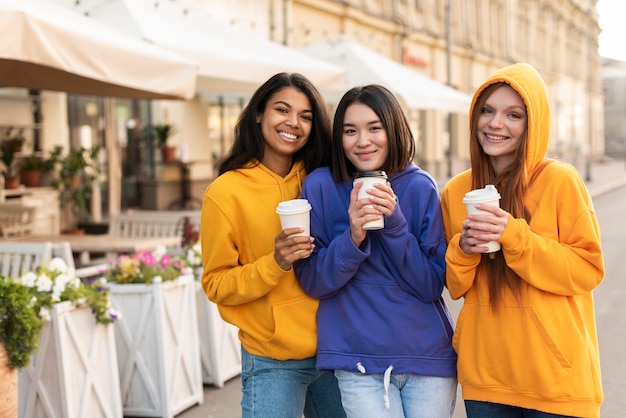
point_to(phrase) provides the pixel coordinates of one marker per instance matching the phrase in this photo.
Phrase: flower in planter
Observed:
(25, 302)
(193, 257)
(56, 282)
(146, 266)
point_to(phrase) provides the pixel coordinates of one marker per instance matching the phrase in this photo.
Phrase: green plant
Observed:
(163, 131)
(25, 302)
(78, 169)
(8, 159)
(145, 266)
(15, 137)
(50, 163)
(32, 162)
(19, 324)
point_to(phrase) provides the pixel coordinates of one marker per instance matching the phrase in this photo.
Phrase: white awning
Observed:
(230, 60)
(365, 66)
(45, 46)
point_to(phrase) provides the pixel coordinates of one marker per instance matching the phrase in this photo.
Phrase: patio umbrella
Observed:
(45, 46)
(231, 60)
(365, 66)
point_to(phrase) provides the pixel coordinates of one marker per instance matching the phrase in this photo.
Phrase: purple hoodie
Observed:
(381, 304)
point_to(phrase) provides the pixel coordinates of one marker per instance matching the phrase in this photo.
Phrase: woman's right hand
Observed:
(289, 247)
(479, 229)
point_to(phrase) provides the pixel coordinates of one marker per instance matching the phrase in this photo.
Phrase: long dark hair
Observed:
(248, 144)
(400, 139)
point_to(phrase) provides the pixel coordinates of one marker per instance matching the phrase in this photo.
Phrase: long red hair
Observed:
(512, 184)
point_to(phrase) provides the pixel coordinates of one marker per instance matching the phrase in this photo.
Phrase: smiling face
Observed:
(286, 124)
(364, 139)
(501, 126)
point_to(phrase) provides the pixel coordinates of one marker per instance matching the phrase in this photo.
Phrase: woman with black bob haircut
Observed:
(401, 143)
(382, 324)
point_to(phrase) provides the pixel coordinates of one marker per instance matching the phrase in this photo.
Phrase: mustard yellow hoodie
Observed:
(543, 355)
(239, 223)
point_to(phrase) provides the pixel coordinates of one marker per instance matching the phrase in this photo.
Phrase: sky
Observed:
(611, 18)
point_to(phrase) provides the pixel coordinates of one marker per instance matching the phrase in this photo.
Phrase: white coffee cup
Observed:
(488, 196)
(369, 179)
(295, 213)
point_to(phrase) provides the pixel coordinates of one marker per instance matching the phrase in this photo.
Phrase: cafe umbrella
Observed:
(45, 46)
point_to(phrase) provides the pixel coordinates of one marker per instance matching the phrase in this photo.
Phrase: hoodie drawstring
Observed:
(386, 380)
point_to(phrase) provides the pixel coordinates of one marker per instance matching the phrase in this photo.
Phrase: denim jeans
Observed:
(410, 395)
(477, 409)
(287, 389)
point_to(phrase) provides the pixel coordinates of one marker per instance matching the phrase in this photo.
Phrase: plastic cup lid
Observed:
(487, 194)
(293, 206)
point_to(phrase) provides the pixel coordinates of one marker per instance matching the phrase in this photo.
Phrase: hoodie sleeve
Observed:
(559, 254)
(226, 279)
(414, 245)
(335, 259)
(460, 267)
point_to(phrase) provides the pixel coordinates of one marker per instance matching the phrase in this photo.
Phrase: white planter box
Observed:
(73, 374)
(220, 348)
(157, 347)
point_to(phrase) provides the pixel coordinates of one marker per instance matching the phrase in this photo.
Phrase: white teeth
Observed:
(288, 135)
(495, 137)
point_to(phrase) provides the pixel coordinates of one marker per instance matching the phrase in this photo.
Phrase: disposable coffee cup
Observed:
(295, 213)
(488, 196)
(369, 179)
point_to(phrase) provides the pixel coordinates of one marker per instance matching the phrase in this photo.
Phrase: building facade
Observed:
(614, 77)
(460, 42)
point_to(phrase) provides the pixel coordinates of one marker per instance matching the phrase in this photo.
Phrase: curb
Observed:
(605, 188)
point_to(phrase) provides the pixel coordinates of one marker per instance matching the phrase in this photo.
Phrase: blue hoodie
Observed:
(381, 304)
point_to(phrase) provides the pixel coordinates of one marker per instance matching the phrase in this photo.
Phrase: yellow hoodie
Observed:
(276, 319)
(543, 355)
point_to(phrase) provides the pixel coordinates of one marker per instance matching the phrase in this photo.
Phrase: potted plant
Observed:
(220, 354)
(77, 170)
(49, 166)
(10, 172)
(15, 138)
(163, 132)
(19, 338)
(31, 169)
(157, 343)
(75, 318)
(49, 323)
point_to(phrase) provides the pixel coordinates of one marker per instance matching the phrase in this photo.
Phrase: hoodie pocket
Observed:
(511, 349)
(295, 328)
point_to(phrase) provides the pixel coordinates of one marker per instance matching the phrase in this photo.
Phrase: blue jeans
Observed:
(287, 389)
(477, 409)
(410, 395)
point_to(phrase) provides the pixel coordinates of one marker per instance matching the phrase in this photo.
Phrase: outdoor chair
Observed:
(16, 258)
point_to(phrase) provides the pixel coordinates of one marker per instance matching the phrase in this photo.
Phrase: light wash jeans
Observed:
(287, 389)
(479, 409)
(410, 395)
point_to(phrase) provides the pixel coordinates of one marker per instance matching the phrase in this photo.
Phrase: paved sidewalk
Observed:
(605, 175)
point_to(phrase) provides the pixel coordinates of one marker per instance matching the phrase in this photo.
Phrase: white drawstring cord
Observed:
(386, 380)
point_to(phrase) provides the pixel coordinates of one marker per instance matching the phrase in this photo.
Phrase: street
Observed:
(610, 299)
